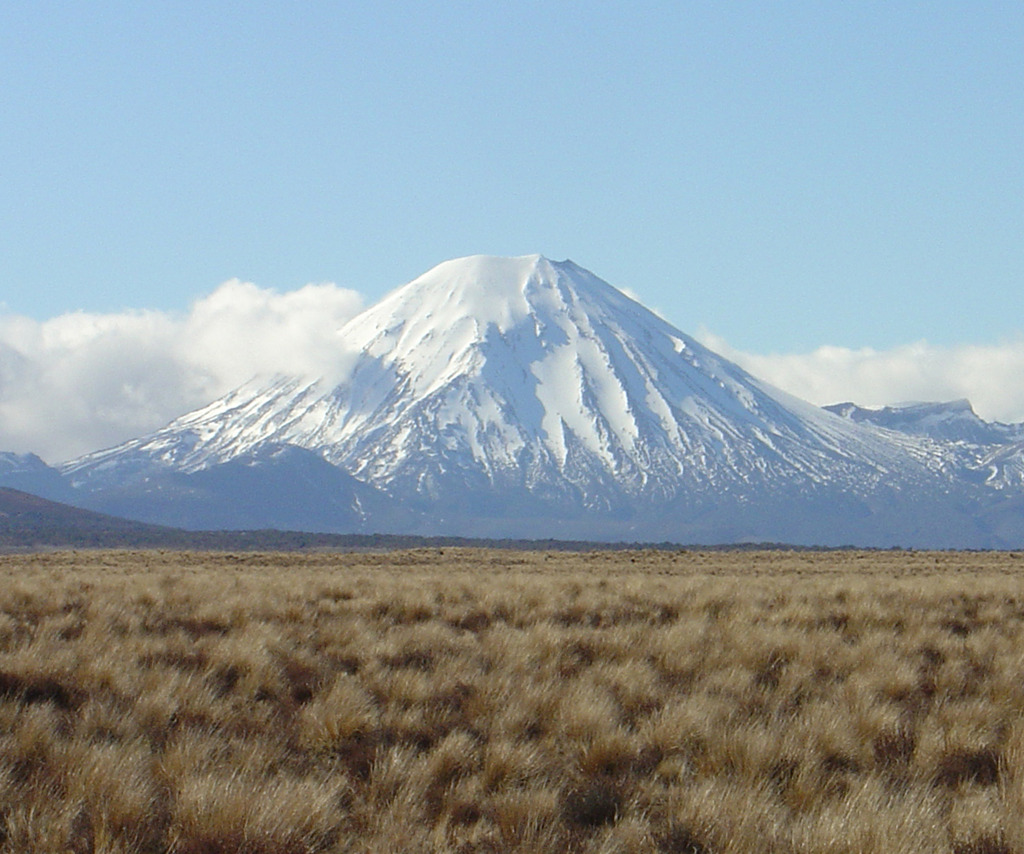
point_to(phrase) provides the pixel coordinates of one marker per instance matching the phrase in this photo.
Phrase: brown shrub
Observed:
(495, 701)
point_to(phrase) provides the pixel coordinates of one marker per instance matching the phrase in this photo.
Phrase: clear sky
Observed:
(783, 175)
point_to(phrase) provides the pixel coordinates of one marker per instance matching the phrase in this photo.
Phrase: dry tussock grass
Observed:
(478, 701)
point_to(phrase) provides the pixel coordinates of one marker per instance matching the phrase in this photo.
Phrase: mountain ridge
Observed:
(953, 420)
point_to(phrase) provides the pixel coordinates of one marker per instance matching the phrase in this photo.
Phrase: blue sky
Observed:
(785, 176)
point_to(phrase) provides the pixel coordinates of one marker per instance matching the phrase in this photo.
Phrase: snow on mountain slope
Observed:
(537, 375)
(1003, 466)
(991, 453)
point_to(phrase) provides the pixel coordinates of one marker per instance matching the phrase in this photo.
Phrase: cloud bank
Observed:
(990, 376)
(81, 382)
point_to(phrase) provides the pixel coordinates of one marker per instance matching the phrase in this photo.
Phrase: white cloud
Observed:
(990, 376)
(80, 382)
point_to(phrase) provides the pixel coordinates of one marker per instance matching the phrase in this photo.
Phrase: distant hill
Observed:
(29, 522)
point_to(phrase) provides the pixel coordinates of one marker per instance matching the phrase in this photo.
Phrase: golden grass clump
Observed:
(484, 701)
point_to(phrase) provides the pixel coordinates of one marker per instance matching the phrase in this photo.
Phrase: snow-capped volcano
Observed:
(490, 390)
(521, 371)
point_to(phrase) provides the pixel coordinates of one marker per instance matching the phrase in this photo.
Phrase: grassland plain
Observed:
(497, 701)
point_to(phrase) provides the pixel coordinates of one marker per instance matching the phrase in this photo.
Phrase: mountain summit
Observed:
(527, 397)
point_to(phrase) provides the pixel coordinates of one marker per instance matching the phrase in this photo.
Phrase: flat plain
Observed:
(466, 700)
